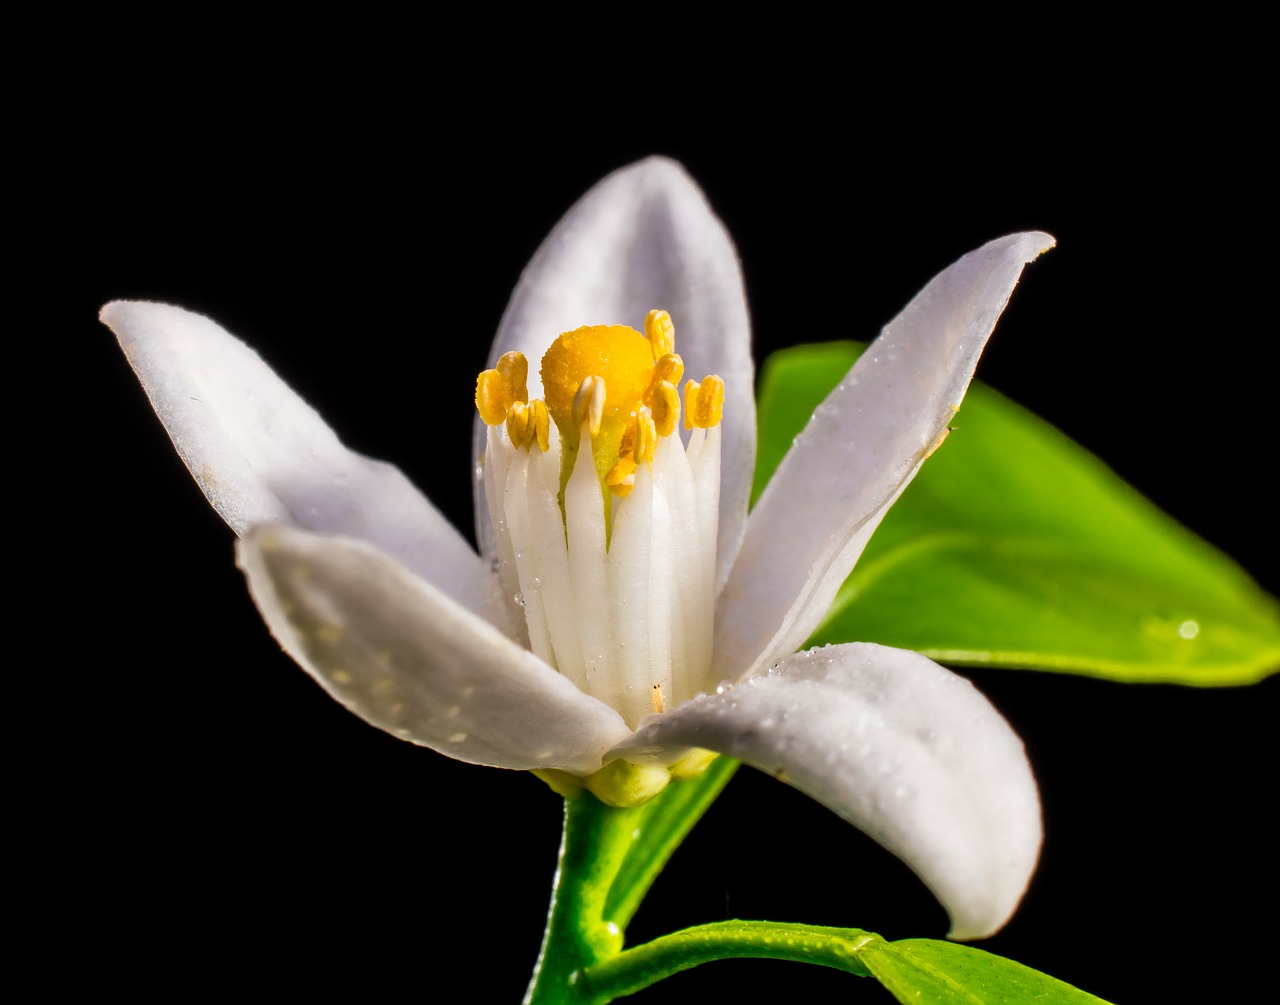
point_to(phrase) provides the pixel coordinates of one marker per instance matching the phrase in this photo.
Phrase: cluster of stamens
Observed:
(502, 397)
(604, 520)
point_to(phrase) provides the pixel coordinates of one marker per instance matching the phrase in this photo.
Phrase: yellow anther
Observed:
(645, 438)
(661, 333)
(588, 404)
(621, 478)
(669, 367)
(541, 424)
(528, 424)
(703, 403)
(491, 402)
(665, 408)
(515, 373)
(518, 424)
(498, 389)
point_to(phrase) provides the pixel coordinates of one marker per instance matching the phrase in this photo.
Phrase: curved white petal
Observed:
(645, 237)
(860, 449)
(260, 453)
(404, 657)
(906, 751)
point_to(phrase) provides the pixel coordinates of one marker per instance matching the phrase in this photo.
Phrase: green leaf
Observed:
(1016, 547)
(916, 971)
(928, 972)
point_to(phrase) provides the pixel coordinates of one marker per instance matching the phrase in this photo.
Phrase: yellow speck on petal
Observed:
(340, 677)
(329, 634)
(937, 442)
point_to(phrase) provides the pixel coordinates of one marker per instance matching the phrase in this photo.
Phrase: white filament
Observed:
(631, 620)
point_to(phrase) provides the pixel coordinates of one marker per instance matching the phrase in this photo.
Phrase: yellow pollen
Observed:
(618, 355)
(661, 333)
(617, 358)
(703, 403)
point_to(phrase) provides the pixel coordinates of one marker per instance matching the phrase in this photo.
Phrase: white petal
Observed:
(906, 751)
(401, 655)
(860, 449)
(645, 237)
(262, 454)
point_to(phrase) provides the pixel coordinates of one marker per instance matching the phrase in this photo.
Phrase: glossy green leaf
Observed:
(1016, 547)
(916, 971)
(928, 972)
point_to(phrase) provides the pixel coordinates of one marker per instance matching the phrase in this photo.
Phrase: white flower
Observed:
(371, 590)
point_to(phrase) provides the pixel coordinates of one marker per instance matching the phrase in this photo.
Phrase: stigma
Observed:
(605, 510)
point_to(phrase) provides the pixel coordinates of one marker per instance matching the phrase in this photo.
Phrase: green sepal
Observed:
(660, 826)
(1016, 547)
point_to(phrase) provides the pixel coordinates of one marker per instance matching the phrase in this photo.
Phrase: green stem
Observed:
(635, 969)
(595, 843)
(665, 823)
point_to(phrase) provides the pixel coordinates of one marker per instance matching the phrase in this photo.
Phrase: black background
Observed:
(188, 810)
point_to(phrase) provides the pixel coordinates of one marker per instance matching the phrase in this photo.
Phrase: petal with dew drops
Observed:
(405, 658)
(646, 237)
(858, 452)
(262, 454)
(903, 749)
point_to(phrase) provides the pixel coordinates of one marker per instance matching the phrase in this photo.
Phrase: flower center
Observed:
(613, 561)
